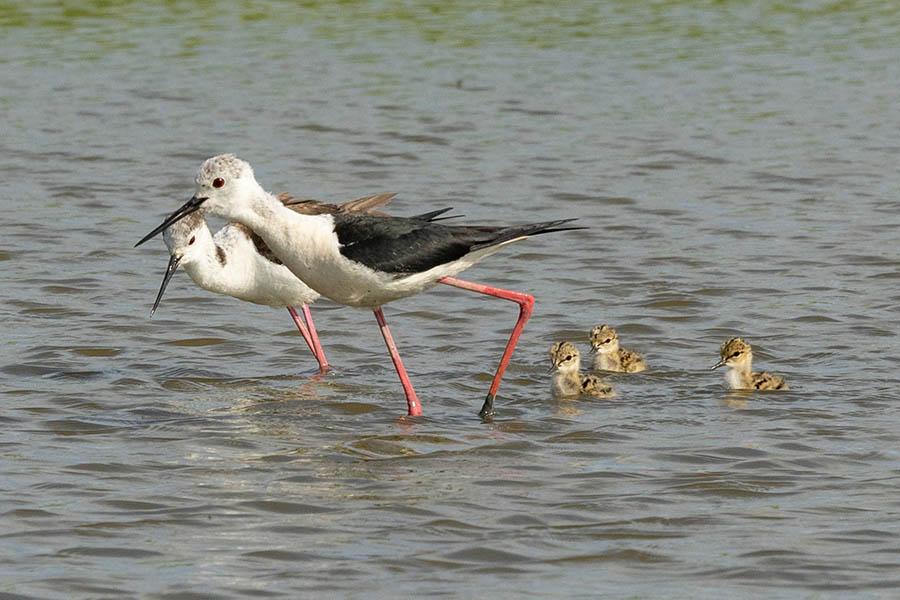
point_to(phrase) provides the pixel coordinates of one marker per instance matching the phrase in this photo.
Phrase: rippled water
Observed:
(736, 164)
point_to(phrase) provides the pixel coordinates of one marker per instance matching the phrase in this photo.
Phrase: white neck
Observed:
(608, 360)
(738, 375)
(567, 379)
(261, 209)
(306, 244)
(205, 267)
(566, 383)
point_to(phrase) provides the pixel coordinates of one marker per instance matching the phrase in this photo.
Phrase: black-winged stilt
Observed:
(360, 260)
(236, 262)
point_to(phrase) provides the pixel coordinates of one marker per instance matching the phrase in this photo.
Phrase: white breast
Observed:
(247, 275)
(735, 379)
(309, 247)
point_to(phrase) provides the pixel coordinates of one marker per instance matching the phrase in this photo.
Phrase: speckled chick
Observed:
(568, 382)
(596, 387)
(737, 355)
(609, 357)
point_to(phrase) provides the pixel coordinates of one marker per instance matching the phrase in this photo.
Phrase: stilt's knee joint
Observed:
(527, 303)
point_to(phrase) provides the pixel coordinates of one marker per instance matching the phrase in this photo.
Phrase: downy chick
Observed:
(737, 355)
(568, 382)
(609, 357)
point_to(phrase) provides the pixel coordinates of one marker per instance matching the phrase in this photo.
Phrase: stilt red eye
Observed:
(192, 240)
(218, 182)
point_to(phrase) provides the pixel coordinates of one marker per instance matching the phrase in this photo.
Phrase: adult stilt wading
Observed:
(361, 260)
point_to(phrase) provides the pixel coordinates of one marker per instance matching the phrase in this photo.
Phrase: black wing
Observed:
(398, 245)
(263, 250)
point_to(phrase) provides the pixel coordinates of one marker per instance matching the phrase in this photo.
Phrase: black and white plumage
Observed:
(403, 246)
(364, 205)
(236, 261)
(355, 260)
(362, 262)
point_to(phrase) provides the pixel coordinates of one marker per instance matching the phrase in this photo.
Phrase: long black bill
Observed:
(721, 363)
(170, 270)
(192, 205)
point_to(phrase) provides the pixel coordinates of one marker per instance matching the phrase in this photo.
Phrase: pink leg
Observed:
(526, 307)
(314, 336)
(413, 406)
(302, 327)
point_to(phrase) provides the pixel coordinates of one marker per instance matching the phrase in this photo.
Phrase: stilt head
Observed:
(564, 356)
(604, 339)
(224, 186)
(226, 182)
(189, 240)
(735, 353)
(225, 166)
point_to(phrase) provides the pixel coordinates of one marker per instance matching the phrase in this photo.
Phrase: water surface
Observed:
(736, 164)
